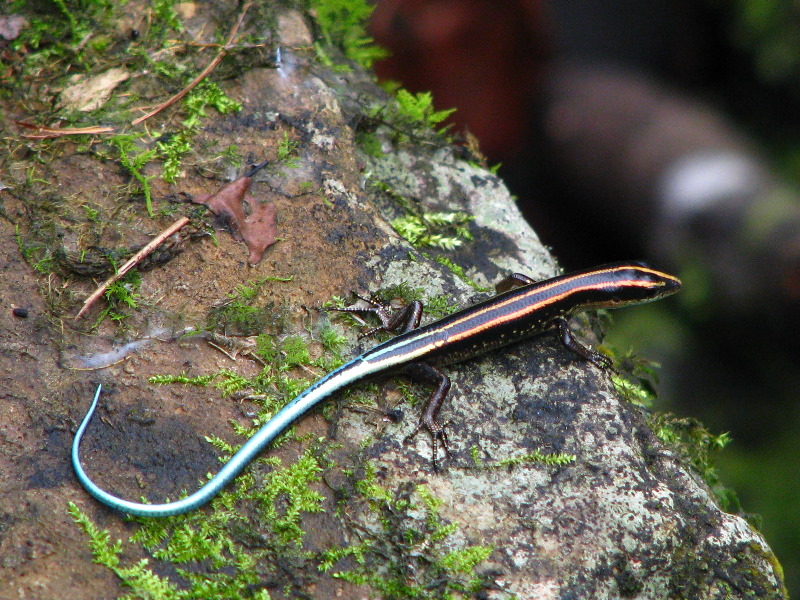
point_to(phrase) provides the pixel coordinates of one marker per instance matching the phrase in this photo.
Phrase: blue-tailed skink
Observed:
(522, 308)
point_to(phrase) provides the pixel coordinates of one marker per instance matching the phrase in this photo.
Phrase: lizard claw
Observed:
(439, 437)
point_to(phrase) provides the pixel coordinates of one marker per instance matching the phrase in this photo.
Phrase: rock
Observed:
(556, 487)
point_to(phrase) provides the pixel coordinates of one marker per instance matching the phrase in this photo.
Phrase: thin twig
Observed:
(203, 74)
(132, 262)
(43, 132)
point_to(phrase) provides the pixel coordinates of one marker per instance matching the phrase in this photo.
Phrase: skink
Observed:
(522, 308)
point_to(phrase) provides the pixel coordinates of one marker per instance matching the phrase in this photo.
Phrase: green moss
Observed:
(287, 151)
(332, 340)
(445, 230)
(691, 440)
(552, 459)
(295, 351)
(104, 552)
(458, 271)
(49, 42)
(635, 377)
(466, 559)
(440, 306)
(241, 315)
(418, 108)
(179, 144)
(133, 160)
(293, 487)
(343, 23)
(165, 16)
(401, 290)
(39, 257)
(59, 27)
(369, 143)
(407, 117)
(406, 557)
(211, 552)
(633, 392)
(252, 533)
(122, 297)
(201, 380)
(369, 488)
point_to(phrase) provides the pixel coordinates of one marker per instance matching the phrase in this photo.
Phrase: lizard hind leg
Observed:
(433, 376)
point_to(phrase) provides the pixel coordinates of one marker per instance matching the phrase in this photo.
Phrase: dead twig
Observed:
(233, 346)
(42, 132)
(132, 262)
(203, 74)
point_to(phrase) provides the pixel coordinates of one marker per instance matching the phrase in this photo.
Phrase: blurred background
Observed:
(658, 129)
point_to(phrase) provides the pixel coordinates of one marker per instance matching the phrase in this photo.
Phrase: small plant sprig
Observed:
(133, 161)
(239, 314)
(411, 116)
(555, 459)
(445, 230)
(142, 582)
(458, 271)
(343, 23)
(205, 94)
(699, 447)
(287, 151)
(418, 108)
(122, 297)
(134, 155)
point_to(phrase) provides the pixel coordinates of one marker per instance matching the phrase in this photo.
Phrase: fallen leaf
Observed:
(11, 26)
(227, 201)
(258, 230)
(87, 94)
(186, 10)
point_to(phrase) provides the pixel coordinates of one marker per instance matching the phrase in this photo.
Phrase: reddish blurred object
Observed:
(605, 159)
(486, 61)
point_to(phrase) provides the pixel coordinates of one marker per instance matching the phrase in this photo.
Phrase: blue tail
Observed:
(341, 377)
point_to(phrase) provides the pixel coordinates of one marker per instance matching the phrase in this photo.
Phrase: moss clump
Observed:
(251, 536)
(343, 24)
(233, 550)
(403, 555)
(241, 314)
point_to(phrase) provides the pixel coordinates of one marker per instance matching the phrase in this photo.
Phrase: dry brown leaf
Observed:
(258, 230)
(89, 93)
(11, 26)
